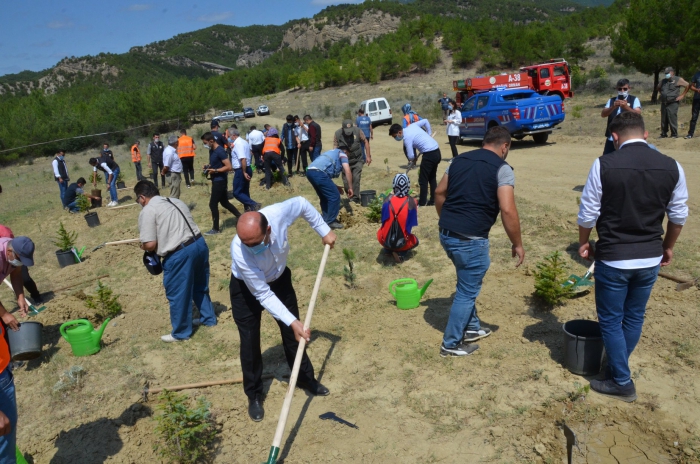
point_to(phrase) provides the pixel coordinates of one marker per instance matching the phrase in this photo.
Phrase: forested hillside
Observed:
(122, 94)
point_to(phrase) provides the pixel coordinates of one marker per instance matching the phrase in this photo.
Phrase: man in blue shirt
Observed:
(695, 87)
(445, 105)
(217, 168)
(364, 123)
(321, 171)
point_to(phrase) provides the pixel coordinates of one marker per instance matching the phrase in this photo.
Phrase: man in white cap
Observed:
(173, 166)
(353, 139)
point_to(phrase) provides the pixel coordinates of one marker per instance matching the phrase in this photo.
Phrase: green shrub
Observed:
(106, 304)
(83, 203)
(185, 433)
(549, 277)
(374, 210)
(349, 270)
(65, 240)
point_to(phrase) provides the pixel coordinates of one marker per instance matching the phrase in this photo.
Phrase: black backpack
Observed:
(395, 239)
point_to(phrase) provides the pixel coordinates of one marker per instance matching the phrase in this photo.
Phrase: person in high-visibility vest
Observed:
(273, 151)
(136, 159)
(185, 151)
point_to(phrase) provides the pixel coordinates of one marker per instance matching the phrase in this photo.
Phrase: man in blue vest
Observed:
(616, 105)
(445, 105)
(291, 143)
(626, 197)
(476, 187)
(60, 172)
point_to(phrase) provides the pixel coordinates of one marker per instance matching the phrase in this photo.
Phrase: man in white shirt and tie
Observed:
(260, 281)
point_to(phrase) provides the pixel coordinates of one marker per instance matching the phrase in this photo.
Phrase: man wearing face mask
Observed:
(476, 187)
(670, 89)
(416, 139)
(60, 172)
(155, 158)
(616, 105)
(261, 280)
(166, 227)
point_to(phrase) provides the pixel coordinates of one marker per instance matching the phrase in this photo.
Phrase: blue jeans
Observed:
(327, 193)
(8, 405)
(62, 187)
(316, 152)
(186, 278)
(73, 207)
(621, 297)
(471, 260)
(241, 187)
(113, 184)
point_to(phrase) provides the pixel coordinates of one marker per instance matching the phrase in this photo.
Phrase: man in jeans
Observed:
(321, 173)
(476, 187)
(172, 166)
(60, 172)
(626, 196)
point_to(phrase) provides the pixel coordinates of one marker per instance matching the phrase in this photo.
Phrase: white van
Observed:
(378, 111)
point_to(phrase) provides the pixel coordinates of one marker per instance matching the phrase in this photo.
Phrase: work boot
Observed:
(315, 388)
(255, 408)
(626, 393)
(335, 225)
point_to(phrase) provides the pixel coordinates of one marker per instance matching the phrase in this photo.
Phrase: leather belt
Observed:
(449, 233)
(183, 245)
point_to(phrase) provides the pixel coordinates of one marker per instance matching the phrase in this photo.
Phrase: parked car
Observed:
(263, 109)
(249, 112)
(229, 116)
(378, 110)
(523, 112)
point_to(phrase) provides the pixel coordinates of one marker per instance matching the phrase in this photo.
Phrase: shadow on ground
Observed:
(438, 312)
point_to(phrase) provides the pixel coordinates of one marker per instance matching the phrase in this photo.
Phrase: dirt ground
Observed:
(504, 404)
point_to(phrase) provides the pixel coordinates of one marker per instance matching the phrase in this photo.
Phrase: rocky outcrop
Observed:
(307, 35)
(251, 59)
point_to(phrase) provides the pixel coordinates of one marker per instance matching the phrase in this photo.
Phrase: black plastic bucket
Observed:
(93, 220)
(366, 197)
(583, 347)
(26, 343)
(65, 258)
(96, 202)
(121, 185)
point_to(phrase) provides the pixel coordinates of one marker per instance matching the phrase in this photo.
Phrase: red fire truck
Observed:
(551, 78)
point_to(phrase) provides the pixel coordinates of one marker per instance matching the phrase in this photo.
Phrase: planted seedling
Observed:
(549, 276)
(349, 270)
(106, 304)
(386, 163)
(65, 240)
(120, 177)
(83, 203)
(374, 210)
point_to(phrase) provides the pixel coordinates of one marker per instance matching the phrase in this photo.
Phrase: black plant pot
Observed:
(65, 258)
(92, 219)
(96, 203)
(121, 185)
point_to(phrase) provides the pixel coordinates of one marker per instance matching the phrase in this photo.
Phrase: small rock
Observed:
(524, 340)
(675, 443)
(688, 451)
(113, 324)
(540, 449)
(122, 316)
(497, 432)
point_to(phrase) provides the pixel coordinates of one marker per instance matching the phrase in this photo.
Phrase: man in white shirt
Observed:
(256, 139)
(242, 172)
(616, 105)
(111, 172)
(260, 281)
(60, 172)
(416, 136)
(626, 196)
(173, 166)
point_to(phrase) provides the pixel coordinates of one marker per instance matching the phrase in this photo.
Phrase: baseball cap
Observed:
(668, 69)
(24, 249)
(347, 126)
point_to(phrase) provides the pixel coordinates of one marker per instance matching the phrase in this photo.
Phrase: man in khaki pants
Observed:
(172, 165)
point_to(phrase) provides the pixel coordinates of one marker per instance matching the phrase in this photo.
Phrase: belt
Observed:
(449, 233)
(185, 244)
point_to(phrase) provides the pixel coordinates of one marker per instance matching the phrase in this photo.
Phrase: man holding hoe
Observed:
(261, 280)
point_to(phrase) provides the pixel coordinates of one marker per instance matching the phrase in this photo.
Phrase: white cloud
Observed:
(215, 17)
(139, 7)
(60, 24)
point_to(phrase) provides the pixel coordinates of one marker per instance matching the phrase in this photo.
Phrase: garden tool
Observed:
(282, 422)
(682, 284)
(80, 283)
(147, 390)
(579, 284)
(120, 242)
(331, 416)
(571, 441)
(33, 310)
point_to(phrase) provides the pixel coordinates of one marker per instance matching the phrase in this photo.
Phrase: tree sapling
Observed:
(549, 276)
(349, 270)
(106, 304)
(65, 240)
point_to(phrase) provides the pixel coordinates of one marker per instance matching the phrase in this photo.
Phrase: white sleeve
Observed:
(300, 207)
(636, 104)
(677, 208)
(589, 211)
(107, 170)
(607, 104)
(54, 163)
(425, 125)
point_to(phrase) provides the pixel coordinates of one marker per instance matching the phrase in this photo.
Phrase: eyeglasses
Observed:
(623, 89)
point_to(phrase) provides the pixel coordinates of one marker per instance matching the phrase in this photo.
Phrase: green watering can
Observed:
(83, 339)
(407, 293)
(20, 457)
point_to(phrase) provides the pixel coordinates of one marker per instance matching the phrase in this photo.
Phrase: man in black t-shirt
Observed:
(70, 200)
(695, 87)
(217, 168)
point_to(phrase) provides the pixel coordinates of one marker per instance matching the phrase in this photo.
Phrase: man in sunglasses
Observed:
(616, 105)
(260, 281)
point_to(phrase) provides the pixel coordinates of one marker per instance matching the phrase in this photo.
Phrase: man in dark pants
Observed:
(616, 105)
(315, 142)
(27, 280)
(291, 143)
(695, 87)
(303, 136)
(353, 141)
(670, 90)
(256, 140)
(261, 280)
(217, 168)
(155, 158)
(626, 196)
(416, 139)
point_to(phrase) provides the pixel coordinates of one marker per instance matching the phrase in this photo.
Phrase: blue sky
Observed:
(36, 35)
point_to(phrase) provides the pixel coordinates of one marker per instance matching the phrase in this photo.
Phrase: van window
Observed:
(372, 106)
(362, 107)
(544, 73)
(559, 71)
(469, 105)
(483, 101)
(517, 96)
(382, 104)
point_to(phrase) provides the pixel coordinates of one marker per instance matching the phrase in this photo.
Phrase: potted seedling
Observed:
(120, 181)
(65, 241)
(83, 203)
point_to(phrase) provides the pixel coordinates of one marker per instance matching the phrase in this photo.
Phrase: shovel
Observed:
(579, 284)
(682, 284)
(120, 242)
(33, 310)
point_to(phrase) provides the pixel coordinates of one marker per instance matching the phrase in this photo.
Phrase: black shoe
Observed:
(256, 207)
(315, 388)
(688, 136)
(212, 232)
(663, 136)
(626, 393)
(430, 203)
(460, 350)
(474, 335)
(37, 299)
(255, 408)
(335, 225)
(674, 136)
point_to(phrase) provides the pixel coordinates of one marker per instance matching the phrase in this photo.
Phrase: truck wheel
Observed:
(540, 138)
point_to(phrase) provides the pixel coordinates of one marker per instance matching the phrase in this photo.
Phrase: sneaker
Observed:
(112, 203)
(170, 339)
(256, 207)
(474, 335)
(688, 136)
(674, 136)
(460, 350)
(212, 232)
(188, 186)
(335, 225)
(626, 393)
